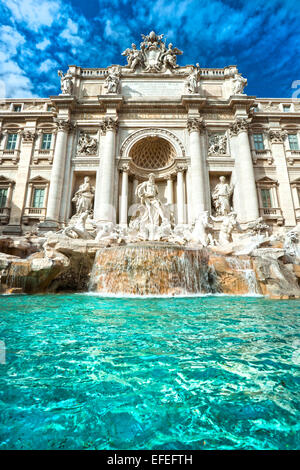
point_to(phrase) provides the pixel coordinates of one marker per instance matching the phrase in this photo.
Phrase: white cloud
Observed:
(43, 45)
(70, 34)
(47, 65)
(10, 39)
(14, 81)
(35, 13)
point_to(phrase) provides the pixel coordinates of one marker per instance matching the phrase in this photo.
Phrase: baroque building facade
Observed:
(110, 128)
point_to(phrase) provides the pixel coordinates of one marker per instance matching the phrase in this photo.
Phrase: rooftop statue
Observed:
(192, 81)
(239, 83)
(66, 83)
(112, 82)
(153, 55)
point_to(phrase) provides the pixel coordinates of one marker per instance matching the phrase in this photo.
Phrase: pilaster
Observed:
(19, 195)
(277, 138)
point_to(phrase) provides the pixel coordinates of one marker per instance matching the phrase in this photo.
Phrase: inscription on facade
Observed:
(165, 88)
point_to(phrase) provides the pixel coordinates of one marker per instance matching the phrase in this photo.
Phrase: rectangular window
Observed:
(3, 197)
(46, 142)
(266, 198)
(286, 108)
(293, 141)
(11, 141)
(17, 108)
(38, 197)
(258, 141)
(49, 107)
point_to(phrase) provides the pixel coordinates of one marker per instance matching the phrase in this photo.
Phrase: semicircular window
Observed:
(152, 153)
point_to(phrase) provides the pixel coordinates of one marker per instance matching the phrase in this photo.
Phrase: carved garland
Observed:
(172, 138)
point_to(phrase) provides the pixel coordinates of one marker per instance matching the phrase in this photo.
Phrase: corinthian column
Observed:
(245, 179)
(124, 195)
(170, 198)
(195, 128)
(104, 210)
(180, 195)
(57, 173)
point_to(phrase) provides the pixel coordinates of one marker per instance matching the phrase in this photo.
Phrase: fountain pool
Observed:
(87, 372)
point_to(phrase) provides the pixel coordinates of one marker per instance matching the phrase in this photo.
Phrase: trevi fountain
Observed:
(149, 261)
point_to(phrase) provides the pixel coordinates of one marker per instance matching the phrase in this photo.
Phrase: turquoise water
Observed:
(84, 372)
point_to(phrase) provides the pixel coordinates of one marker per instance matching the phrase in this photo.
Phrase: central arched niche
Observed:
(152, 153)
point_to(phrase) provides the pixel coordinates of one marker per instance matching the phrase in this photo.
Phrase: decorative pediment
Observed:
(296, 183)
(38, 180)
(266, 181)
(5, 180)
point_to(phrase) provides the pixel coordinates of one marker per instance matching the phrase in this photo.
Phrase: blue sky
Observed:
(38, 37)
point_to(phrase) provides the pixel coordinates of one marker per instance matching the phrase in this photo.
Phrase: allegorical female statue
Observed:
(83, 198)
(221, 197)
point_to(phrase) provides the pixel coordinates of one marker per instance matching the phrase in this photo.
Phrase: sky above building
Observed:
(38, 37)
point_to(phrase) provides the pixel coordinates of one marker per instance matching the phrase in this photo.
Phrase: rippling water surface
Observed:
(84, 372)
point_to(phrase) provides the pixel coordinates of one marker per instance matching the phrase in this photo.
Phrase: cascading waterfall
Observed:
(152, 269)
(244, 267)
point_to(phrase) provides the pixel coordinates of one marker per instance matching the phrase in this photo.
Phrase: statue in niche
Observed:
(192, 82)
(134, 57)
(148, 194)
(239, 84)
(83, 198)
(150, 221)
(86, 144)
(221, 197)
(217, 144)
(66, 83)
(112, 82)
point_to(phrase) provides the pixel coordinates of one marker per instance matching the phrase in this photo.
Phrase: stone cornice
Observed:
(111, 100)
(193, 100)
(64, 101)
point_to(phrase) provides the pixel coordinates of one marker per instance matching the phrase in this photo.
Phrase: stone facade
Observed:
(186, 125)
